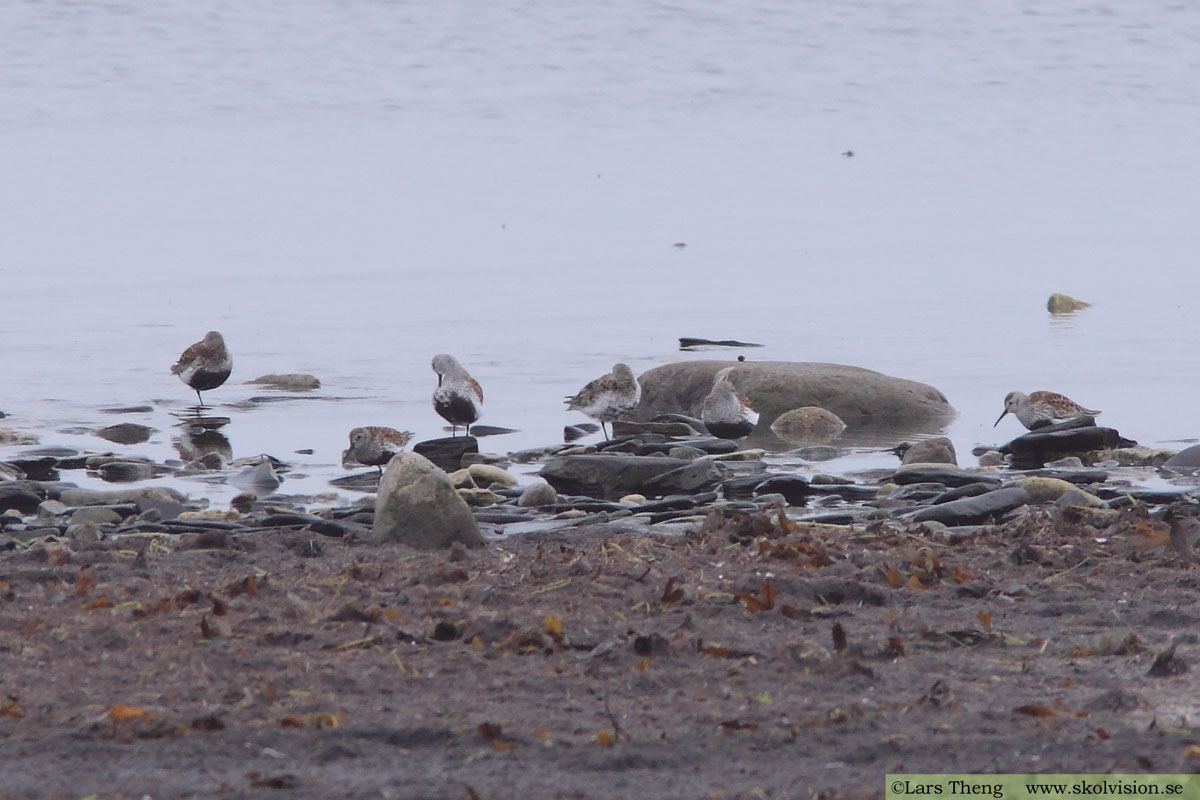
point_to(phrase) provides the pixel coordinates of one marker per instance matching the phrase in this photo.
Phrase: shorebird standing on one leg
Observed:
(607, 398)
(458, 398)
(205, 365)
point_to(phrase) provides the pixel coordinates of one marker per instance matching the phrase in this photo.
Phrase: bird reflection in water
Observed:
(200, 439)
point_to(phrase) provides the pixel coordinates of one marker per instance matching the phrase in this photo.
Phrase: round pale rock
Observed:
(480, 497)
(461, 479)
(808, 425)
(1064, 304)
(488, 474)
(417, 505)
(537, 494)
(937, 450)
(290, 382)
(860, 397)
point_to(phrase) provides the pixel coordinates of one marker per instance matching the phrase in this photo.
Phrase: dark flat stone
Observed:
(691, 342)
(741, 487)
(921, 491)
(1070, 475)
(606, 476)
(1055, 441)
(337, 530)
(285, 520)
(794, 488)
(696, 476)
(853, 492)
(959, 492)
(677, 503)
(15, 495)
(37, 469)
(940, 473)
(709, 445)
(447, 452)
(970, 510)
(491, 430)
(582, 504)
(831, 518)
(210, 524)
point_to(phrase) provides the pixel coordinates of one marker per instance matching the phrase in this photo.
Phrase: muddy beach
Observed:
(770, 632)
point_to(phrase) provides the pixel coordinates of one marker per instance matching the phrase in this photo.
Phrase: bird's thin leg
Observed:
(468, 429)
(603, 430)
(201, 399)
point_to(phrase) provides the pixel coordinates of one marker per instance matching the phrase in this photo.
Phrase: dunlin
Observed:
(1042, 408)
(205, 365)
(725, 413)
(607, 398)
(374, 445)
(458, 398)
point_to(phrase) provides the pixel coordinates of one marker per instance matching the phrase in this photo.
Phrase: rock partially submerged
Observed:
(860, 397)
(1051, 442)
(1065, 304)
(935, 450)
(259, 478)
(289, 382)
(448, 451)
(945, 474)
(1185, 460)
(808, 425)
(126, 433)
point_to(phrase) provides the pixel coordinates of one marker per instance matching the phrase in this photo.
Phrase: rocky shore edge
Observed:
(659, 478)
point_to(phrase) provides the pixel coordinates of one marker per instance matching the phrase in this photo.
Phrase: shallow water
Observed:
(350, 188)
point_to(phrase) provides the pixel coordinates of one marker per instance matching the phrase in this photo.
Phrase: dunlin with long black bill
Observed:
(1042, 408)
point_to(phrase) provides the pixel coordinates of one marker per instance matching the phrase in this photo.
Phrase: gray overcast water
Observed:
(347, 188)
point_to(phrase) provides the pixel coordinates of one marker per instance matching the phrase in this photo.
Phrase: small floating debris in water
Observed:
(691, 343)
(679, 245)
(848, 154)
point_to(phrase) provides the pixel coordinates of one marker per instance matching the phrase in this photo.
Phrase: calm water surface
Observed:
(349, 188)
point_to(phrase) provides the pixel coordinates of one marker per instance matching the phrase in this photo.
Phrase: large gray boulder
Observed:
(417, 505)
(1185, 460)
(860, 397)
